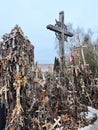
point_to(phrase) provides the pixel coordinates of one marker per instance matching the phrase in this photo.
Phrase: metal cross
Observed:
(61, 33)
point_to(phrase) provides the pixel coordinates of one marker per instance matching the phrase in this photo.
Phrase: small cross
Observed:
(46, 125)
(79, 122)
(55, 124)
(83, 86)
(4, 90)
(37, 121)
(88, 96)
(66, 117)
(24, 80)
(8, 57)
(18, 79)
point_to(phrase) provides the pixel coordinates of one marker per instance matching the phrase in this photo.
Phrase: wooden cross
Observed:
(18, 83)
(82, 52)
(79, 122)
(49, 107)
(88, 96)
(41, 82)
(24, 79)
(83, 88)
(46, 125)
(65, 117)
(8, 57)
(37, 121)
(4, 90)
(61, 33)
(55, 124)
(18, 108)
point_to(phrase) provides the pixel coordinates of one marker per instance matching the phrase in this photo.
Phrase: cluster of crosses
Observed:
(33, 100)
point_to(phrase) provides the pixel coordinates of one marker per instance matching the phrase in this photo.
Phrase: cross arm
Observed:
(81, 46)
(58, 30)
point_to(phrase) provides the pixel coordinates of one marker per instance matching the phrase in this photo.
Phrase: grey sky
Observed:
(34, 15)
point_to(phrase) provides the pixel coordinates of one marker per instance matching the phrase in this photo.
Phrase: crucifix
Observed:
(61, 32)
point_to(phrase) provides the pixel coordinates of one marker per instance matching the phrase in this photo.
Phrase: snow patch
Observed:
(94, 126)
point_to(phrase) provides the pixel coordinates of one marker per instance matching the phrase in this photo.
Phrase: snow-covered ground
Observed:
(93, 126)
(90, 115)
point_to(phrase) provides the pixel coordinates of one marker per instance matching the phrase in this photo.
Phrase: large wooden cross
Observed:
(61, 33)
(82, 52)
(81, 47)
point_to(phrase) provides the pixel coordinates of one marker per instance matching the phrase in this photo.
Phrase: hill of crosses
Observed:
(33, 100)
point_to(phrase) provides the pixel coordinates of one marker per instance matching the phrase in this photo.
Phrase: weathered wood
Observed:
(61, 30)
(82, 52)
(16, 77)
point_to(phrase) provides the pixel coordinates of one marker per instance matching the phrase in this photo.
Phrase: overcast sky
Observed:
(34, 15)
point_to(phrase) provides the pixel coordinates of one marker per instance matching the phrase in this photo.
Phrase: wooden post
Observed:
(37, 70)
(82, 52)
(49, 70)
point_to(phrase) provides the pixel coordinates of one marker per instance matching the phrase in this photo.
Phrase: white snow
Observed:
(89, 115)
(93, 126)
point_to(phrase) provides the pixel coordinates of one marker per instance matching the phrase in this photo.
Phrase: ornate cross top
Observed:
(61, 33)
